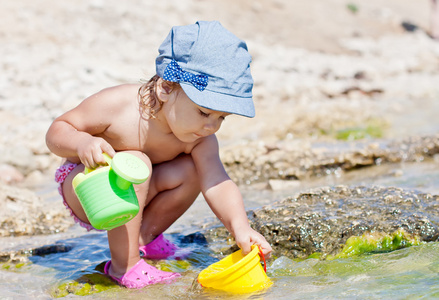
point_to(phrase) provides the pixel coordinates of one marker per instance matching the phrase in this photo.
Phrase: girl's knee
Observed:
(188, 169)
(175, 173)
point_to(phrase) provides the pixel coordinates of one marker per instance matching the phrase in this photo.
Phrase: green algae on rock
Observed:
(172, 265)
(85, 285)
(357, 133)
(10, 266)
(376, 242)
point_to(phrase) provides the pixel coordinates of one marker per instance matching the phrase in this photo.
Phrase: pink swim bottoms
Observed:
(60, 175)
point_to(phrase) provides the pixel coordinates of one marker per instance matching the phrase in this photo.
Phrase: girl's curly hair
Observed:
(149, 102)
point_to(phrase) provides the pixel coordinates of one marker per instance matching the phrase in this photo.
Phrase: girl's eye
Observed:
(203, 113)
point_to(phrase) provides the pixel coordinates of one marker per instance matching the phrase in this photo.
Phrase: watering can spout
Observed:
(123, 184)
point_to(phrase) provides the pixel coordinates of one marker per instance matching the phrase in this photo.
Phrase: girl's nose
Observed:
(211, 125)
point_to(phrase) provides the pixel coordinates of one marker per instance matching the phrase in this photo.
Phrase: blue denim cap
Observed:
(208, 49)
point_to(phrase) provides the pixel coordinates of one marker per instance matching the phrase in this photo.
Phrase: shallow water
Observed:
(403, 274)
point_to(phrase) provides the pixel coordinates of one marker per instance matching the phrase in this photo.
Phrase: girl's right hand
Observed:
(90, 151)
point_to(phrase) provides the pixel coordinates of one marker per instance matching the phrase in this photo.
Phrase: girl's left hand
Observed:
(250, 237)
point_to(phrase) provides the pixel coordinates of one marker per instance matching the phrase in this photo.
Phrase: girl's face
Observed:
(187, 120)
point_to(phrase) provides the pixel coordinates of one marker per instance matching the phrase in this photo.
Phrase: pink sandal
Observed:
(141, 275)
(161, 248)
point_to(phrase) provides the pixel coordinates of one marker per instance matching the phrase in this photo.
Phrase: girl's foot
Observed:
(161, 248)
(141, 275)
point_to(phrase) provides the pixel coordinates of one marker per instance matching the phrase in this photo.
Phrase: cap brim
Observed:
(220, 102)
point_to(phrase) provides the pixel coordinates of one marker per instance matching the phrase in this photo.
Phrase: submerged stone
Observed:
(85, 285)
(21, 255)
(13, 266)
(172, 265)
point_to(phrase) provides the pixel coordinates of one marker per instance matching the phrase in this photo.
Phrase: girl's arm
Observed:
(224, 197)
(73, 134)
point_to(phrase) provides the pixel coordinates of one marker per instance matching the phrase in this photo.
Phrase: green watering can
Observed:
(107, 193)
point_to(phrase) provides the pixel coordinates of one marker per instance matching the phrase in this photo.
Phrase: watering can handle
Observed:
(107, 159)
(263, 258)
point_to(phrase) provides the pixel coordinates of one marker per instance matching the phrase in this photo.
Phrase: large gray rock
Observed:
(323, 219)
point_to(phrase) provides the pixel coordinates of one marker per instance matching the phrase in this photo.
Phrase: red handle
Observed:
(263, 258)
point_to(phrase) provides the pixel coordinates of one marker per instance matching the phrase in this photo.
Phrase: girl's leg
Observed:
(124, 240)
(173, 188)
(70, 196)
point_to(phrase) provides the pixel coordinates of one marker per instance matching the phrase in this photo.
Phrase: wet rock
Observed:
(85, 285)
(22, 212)
(257, 162)
(194, 238)
(49, 249)
(22, 255)
(14, 257)
(322, 220)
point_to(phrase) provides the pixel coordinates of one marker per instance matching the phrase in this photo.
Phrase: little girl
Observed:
(203, 75)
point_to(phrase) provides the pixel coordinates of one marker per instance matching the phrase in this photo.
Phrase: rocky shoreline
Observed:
(24, 213)
(361, 91)
(290, 160)
(317, 221)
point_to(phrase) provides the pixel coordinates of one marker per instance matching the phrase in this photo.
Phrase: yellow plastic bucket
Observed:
(236, 273)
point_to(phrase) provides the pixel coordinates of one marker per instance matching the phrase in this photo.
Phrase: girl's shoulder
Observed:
(118, 95)
(123, 90)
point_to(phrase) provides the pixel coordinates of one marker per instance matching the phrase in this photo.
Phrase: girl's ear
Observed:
(164, 90)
